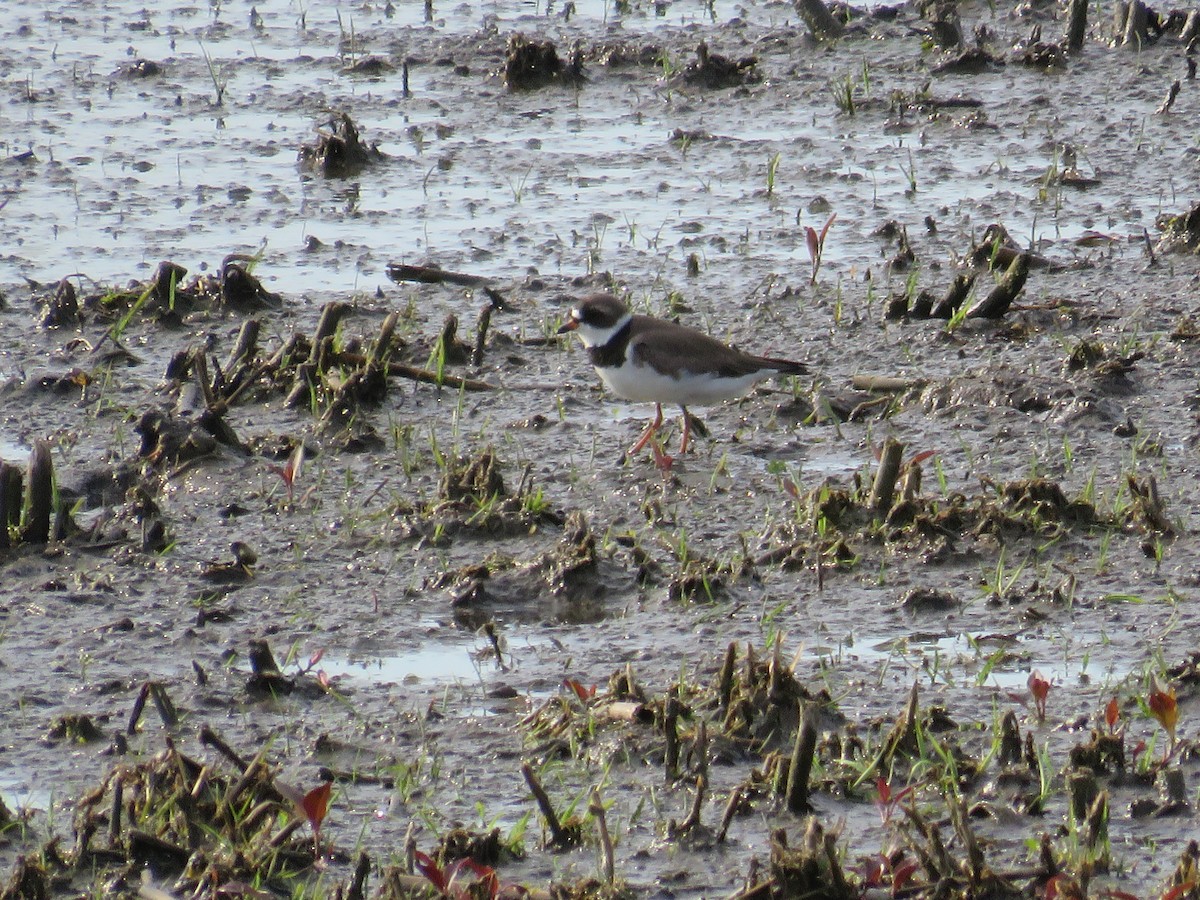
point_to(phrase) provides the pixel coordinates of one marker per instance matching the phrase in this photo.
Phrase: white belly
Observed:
(645, 385)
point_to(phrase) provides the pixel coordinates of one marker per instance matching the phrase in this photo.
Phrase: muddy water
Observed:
(107, 170)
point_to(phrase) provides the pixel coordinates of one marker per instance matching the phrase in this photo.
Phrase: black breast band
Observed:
(612, 354)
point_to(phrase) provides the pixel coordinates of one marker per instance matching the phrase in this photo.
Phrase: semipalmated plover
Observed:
(650, 360)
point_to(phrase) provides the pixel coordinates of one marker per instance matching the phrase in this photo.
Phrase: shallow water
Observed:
(128, 170)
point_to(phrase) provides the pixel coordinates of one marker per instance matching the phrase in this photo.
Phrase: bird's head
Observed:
(596, 318)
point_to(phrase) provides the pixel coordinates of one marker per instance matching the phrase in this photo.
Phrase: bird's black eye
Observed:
(594, 315)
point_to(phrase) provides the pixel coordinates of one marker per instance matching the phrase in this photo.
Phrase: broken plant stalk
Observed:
(596, 809)
(559, 836)
(800, 767)
(883, 492)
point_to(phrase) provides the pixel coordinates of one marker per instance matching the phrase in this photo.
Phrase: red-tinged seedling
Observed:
(1180, 890)
(315, 805)
(882, 870)
(1112, 715)
(814, 248)
(816, 245)
(584, 694)
(290, 470)
(888, 800)
(315, 658)
(431, 871)
(446, 880)
(312, 806)
(901, 874)
(872, 871)
(1039, 689)
(1164, 708)
(917, 458)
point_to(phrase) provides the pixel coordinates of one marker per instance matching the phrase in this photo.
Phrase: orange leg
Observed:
(648, 433)
(687, 430)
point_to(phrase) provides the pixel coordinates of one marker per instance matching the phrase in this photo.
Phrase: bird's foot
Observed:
(662, 460)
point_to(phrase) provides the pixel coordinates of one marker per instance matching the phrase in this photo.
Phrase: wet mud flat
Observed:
(325, 573)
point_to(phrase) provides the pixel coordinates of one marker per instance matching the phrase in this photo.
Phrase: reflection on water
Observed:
(442, 662)
(465, 659)
(1004, 662)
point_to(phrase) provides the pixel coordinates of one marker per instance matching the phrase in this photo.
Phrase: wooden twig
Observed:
(40, 495)
(499, 301)
(558, 834)
(1137, 25)
(725, 682)
(331, 316)
(433, 275)
(114, 819)
(692, 822)
(888, 383)
(210, 738)
(245, 348)
(139, 704)
(731, 809)
(1169, 100)
(362, 868)
(383, 344)
(163, 705)
(401, 370)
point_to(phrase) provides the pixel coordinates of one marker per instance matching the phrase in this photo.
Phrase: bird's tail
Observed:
(784, 366)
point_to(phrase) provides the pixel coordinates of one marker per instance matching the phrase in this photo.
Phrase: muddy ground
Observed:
(452, 572)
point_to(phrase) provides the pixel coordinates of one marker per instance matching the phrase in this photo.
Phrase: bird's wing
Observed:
(675, 348)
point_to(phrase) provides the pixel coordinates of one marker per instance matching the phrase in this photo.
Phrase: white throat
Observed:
(591, 336)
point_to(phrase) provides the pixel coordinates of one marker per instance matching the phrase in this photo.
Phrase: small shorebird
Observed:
(650, 360)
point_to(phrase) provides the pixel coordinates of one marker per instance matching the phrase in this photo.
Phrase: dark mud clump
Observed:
(716, 72)
(339, 151)
(530, 64)
(1180, 233)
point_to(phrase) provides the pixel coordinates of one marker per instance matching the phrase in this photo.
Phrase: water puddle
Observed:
(432, 663)
(18, 794)
(12, 451)
(435, 662)
(1004, 662)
